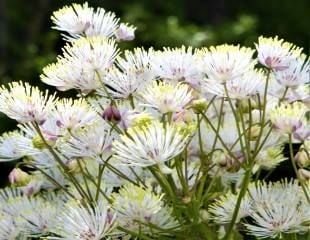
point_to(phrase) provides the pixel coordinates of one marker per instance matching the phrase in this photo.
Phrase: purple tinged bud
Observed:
(19, 177)
(111, 114)
(59, 123)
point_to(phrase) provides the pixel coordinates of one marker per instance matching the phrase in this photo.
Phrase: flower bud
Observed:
(204, 215)
(37, 142)
(226, 162)
(302, 158)
(18, 177)
(141, 120)
(125, 32)
(245, 106)
(219, 158)
(199, 105)
(304, 174)
(186, 199)
(254, 132)
(73, 166)
(111, 114)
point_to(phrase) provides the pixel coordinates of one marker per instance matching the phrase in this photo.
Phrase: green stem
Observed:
(243, 190)
(131, 101)
(61, 164)
(100, 173)
(295, 167)
(219, 137)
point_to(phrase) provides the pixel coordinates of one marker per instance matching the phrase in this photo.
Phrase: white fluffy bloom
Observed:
(94, 141)
(243, 87)
(137, 207)
(25, 103)
(8, 146)
(79, 20)
(150, 145)
(287, 118)
(269, 158)
(132, 75)
(297, 73)
(223, 208)
(276, 54)
(277, 210)
(177, 64)
(227, 62)
(166, 97)
(73, 114)
(82, 222)
(82, 66)
(125, 32)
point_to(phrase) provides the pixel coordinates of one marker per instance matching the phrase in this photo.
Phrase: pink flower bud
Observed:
(111, 114)
(125, 33)
(19, 177)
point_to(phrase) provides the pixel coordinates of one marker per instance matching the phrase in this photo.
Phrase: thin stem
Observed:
(61, 163)
(100, 173)
(51, 179)
(243, 190)
(295, 167)
(236, 121)
(131, 101)
(199, 136)
(219, 137)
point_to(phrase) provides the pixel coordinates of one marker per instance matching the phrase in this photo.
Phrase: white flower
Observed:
(94, 141)
(125, 32)
(37, 216)
(277, 209)
(223, 208)
(80, 222)
(137, 207)
(150, 145)
(131, 76)
(82, 66)
(78, 20)
(8, 228)
(73, 114)
(177, 64)
(269, 158)
(297, 73)
(25, 103)
(9, 150)
(227, 62)
(166, 97)
(243, 87)
(276, 54)
(287, 118)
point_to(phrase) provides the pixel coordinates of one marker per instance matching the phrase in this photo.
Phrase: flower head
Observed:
(73, 114)
(125, 32)
(166, 97)
(130, 75)
(227, 62)
(297, 73)
(177, 64)
(82, 222)
(243, 87)
(277, 209)
(137, 207)
(275, 54)
(82, 66)
(78, 20)
(150, 145)
(25, 103)
(287, 118)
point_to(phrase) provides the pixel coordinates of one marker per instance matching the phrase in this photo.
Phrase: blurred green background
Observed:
(27, 42)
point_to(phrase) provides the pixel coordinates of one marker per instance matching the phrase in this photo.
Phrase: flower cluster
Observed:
(157, 143)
